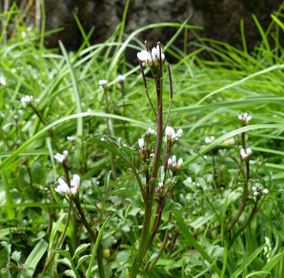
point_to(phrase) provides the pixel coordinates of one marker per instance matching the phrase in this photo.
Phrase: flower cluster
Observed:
(103, 83)
(60, 158)
(71, 138)
(244, 118)
(120, 78)
(257, 190)
(63, 188)
(171, 135)
(245, 153)
(26, 100)
(209, 140)
(174, 164)
(151, 59)
(150, 131)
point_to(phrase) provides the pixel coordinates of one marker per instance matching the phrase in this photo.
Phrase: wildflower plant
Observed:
(204, 200)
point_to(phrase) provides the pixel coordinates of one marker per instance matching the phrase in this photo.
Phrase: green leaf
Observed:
(247, 262)
(80, 249)
(36, 255)
(190, 240)
(89, 271)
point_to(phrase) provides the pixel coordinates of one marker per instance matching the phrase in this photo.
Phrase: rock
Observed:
(220, 19)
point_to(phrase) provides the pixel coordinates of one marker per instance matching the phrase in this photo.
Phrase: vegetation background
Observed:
(208, 95)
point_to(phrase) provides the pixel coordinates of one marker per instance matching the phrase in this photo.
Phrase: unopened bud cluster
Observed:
(160, 188)
(258, 190)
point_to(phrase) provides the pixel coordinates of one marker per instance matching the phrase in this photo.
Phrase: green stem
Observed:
(149, 201)
(60, 240)
(93, 238)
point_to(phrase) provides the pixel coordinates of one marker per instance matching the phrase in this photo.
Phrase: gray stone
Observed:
(220, 19)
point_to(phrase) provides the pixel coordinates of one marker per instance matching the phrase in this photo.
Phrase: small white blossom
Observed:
(209, 140)
(173, 164)
(245, 153)
(189, 180)
(245, 118)
(89, 110)
(120, 78)
(156, 55)
(141, 143)
(71, 138)
(150, 131)
(180, 161)
(2, 80)
(75, 184)
(63, 188)
(171, 135)
(255, 193)
(60, 158)
(265, 191)
(145, 56)
(103, 83)
(26, 100)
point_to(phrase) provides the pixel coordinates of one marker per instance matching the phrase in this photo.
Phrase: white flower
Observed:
(75, 184)
(189, 180)
(26, 100)
(145, 56)
(2, 80)
(173, 164)
(179, 163)
(255, 193)
(178, 134)
(120, 78)
(60, 158)
(150, 131)
(63, 188)
(245, 118)
(171, 135)
(245, 153)
(103, 83)
(254, 188)
(209, 140)
(141, 143)
(265, 191)
(71, 138)
(89, 110)
(156, 55)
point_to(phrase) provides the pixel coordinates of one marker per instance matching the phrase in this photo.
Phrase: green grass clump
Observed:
(208, 95)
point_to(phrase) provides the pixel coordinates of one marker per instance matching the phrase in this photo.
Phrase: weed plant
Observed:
(90, 187)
